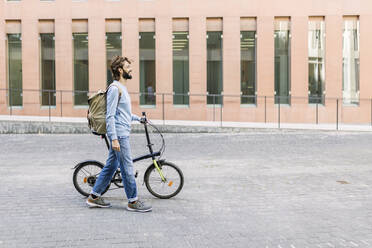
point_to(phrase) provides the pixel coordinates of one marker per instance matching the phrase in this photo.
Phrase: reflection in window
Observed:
(214, 66)
(147, 68)
(113, 48)
(350, 72)
(15, 69)
(81, 72)
(248, 66)
(282, 62)
(316, 45)
(181, 68)
(48, 75)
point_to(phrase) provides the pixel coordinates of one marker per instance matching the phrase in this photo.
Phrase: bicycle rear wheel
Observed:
(164, 189)
(85, 176)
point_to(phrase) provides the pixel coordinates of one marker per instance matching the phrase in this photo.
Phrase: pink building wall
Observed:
(29, 12)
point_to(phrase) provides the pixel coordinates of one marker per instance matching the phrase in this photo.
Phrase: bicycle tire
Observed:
(75, 177)
(150, 187)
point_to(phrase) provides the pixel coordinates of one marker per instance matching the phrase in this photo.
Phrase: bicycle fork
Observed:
(149, 145)
(159, 170)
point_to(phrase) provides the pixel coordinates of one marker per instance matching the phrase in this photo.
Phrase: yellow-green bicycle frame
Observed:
(159, 170)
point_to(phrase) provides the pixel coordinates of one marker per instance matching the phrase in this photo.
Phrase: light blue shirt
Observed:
(118, 112)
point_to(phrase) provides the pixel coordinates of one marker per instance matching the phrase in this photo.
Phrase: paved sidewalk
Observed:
(211, 124)
(263, 188)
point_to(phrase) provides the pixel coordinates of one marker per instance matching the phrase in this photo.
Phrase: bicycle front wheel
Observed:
(164, 189)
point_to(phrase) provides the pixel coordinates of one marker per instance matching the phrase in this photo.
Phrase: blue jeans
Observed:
(115, 159)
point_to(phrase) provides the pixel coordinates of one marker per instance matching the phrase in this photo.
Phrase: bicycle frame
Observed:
(151, 155)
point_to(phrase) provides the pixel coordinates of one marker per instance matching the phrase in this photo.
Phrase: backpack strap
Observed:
(117, 86)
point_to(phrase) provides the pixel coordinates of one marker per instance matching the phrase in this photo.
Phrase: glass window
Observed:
(282, 62)
(147, 68)
(113, 48)
(316, 46)
(350, 72)
(214, 66)
(48, 73)
(248, 66)
(15, 69)
(181, 67)
(81, 72)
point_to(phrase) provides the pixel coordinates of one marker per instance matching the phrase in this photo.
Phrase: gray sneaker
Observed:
(98, 202)
(139, 206)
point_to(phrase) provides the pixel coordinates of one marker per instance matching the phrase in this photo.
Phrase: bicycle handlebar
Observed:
(145, 117)
(162, 148)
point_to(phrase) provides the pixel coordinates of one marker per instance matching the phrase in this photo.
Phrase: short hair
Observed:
(116, 63)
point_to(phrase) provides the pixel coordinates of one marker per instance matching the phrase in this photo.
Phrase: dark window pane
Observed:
(248, 67)
(48, 75)
(81, 72)
(214, 67)
(113, 48)
(15, 69)
(316, 61)
(147, 68)
(316, 80)
(180, 68)
(282, 66)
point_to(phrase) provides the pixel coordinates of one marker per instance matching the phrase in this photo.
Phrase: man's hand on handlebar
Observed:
(143, 120)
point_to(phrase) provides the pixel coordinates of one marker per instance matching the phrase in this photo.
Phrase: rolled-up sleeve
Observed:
(112, 99)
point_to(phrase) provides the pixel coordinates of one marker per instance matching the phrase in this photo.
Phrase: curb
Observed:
(40, 127)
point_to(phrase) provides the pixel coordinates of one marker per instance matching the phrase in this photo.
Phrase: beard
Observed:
(127, 75)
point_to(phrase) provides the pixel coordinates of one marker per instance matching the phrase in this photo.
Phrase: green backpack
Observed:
(97, 110)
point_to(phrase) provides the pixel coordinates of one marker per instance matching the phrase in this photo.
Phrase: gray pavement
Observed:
(266, 188)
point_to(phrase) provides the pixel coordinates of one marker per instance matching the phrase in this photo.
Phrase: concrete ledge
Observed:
(38, 127)
(60, 125)
(23, 127)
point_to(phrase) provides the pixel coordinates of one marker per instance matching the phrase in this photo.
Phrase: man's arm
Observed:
(135, 117)
(111, 105)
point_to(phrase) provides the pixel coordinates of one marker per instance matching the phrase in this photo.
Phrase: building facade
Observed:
(239, 60)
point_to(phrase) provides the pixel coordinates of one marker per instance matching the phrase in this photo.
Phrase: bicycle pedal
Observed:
(136, 175)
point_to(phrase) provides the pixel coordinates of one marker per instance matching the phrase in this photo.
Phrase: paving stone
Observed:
(267, 188)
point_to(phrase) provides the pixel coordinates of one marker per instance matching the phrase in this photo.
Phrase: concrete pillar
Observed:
(164, 55)
(198, 55)
(63, 54)
(3, 82)
(365, 56)
(30, 61)
(231, 67)
(231, 55)
(333, 59)
(131, 50)
(265, 55)
(198, 64)
(64, 64)
(299, 58)
(97, 53)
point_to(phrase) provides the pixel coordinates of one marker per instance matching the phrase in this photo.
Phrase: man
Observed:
(118, 124)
